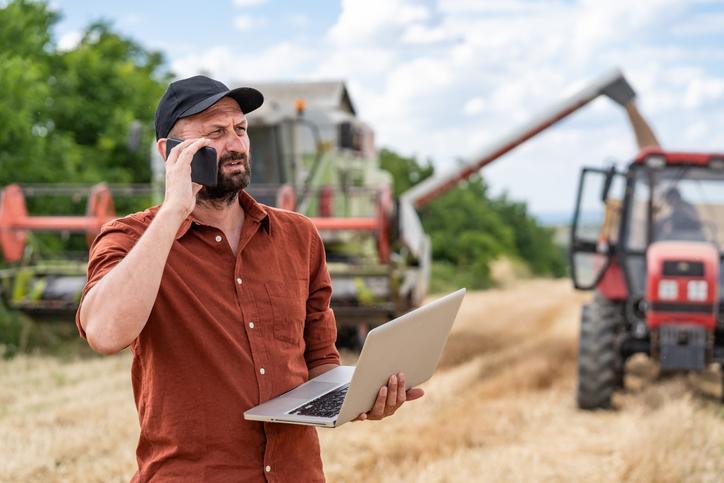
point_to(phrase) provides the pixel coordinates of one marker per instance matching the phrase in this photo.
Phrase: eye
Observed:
(215, 133)
(240, 130)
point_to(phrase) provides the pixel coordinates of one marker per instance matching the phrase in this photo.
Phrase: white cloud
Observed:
(492, 6)
(419, 34)
(375, 21)
(703, 90)
(298, 20)
(474, 106)
(232, 66)
(69, 40)
(698, 25)
(363, 63)
(248, 3)
(442, 79)
(246, 23)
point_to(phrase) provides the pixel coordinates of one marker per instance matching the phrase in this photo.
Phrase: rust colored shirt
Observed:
(226, 333)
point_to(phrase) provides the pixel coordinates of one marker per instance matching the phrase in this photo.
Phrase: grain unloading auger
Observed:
(612, 85)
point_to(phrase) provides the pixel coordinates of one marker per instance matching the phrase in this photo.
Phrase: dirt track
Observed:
(500, 407)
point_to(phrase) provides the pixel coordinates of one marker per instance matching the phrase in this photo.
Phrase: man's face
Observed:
(225, 126)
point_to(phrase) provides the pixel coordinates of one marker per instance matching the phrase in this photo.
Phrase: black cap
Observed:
(187, 97)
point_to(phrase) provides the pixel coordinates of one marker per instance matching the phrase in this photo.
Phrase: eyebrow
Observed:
(213, 127)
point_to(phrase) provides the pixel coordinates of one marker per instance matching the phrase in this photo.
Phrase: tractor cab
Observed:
(650, 242)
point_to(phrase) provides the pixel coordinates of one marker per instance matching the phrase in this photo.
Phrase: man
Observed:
(681, 221)
(224, 303)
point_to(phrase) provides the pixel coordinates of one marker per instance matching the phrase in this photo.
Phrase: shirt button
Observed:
(267, 468)
(262, 371)
(239, 280)
(251, 325)
(218, 238)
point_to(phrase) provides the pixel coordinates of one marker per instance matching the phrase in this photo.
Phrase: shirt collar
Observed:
(254, 210)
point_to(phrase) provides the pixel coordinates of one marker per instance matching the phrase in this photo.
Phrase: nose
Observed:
(236, 143)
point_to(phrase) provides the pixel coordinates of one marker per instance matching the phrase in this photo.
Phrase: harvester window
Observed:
(267, 164)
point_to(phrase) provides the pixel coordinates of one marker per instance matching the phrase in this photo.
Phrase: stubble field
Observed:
(499, 408)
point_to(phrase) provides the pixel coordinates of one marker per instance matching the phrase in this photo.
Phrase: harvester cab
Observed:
(649, 242)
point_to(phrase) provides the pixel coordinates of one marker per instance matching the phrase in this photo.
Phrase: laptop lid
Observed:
(412, 344)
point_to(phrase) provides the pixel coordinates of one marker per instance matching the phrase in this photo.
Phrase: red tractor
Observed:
(649, 242)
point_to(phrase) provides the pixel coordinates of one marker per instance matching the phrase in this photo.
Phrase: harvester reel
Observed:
(12, 207)
(15, 222)
(100, 210)
(286, 199)
(384, 223)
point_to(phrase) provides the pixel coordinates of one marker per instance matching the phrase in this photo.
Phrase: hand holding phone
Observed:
(204, 164)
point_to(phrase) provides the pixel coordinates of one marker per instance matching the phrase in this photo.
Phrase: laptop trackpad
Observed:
(311, 389)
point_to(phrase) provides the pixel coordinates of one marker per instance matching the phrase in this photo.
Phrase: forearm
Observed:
(319, 370)
(115, 310)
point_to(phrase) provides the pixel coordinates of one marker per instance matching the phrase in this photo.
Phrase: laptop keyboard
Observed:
(325, 406)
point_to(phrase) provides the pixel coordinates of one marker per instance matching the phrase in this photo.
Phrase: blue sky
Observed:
(441, 79)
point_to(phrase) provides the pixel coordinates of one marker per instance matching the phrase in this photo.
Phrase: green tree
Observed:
(68, 116)
(406, 171)
(466, 231)
(533, 242)
(469, 229)
(103, 88)
(25, 57)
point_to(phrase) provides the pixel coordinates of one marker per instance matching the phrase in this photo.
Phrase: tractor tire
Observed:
(600, 366)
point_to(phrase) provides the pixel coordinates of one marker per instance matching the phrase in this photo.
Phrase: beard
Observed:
(227, 185)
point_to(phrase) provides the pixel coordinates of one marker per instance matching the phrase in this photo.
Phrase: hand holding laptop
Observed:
(390, 398)
(408, 347)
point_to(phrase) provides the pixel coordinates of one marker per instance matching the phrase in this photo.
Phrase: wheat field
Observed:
(499, 408)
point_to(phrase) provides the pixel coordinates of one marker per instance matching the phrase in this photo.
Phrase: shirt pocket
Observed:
(289, 308)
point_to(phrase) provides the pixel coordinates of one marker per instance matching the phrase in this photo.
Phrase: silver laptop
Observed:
(411, 344)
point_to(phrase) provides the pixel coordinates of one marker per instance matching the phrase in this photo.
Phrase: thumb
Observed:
(414, 393)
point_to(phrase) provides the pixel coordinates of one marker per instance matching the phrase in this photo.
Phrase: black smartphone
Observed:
(204, 165)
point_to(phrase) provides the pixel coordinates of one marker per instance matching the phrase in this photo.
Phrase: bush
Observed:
(13, 333)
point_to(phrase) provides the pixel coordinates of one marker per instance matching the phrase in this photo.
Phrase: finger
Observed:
(392, 392)
(176, 150)
(361, 417)
(188, 152)
(414, 393)
(401, 393)
(379, 407)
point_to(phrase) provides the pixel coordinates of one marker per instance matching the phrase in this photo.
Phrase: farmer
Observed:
(682, 220)
(224, 303)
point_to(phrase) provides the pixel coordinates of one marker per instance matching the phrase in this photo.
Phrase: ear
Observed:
(161, 146)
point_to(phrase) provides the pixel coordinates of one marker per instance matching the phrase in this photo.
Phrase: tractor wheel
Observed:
(600, 368)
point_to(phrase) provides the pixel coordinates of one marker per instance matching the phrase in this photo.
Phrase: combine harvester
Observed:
(655, 293)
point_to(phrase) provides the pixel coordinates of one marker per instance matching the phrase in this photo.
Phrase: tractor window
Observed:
(689, 205)
(595, 225)
(638, 222)
(590, 212)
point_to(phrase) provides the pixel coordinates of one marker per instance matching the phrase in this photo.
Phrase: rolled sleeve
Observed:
(320, 330)
(110, 247)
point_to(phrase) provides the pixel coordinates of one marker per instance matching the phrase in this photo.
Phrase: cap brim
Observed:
(248, 99)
